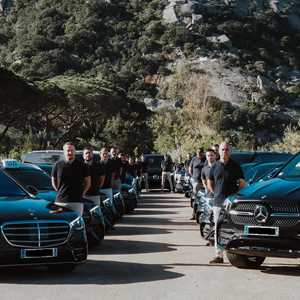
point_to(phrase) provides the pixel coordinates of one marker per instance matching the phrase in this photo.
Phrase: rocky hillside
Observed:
(247, 51)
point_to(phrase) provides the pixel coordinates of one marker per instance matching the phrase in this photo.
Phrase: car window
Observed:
(292, 169)
(8, 188)
(42, 157)
(154, 161)
(36, 178)
(272, 157)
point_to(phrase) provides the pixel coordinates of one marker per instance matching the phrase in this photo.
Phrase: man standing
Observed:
(116, 169)
(71, 179)
(166, 167)
(144, 172)
(210, 159)
(106, 165)
(225, 179)
(195, 168)
(97, 175)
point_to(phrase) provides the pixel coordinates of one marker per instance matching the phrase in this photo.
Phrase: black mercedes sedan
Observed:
(35, 232)
(263, 219)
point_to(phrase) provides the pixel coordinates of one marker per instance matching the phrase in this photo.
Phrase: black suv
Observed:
(263, 219)
(154, 169)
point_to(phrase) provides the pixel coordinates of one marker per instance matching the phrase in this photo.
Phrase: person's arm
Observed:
(203, 179)
(101, 180)
(191, 168)
(210, 185)
(210, 180)
(241, 183)
(86, 184)
(54, 183)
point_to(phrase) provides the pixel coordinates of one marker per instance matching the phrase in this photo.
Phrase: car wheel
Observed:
(245, 262)
(62, 268)
(96, 235)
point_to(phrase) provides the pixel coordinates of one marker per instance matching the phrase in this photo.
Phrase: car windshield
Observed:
(8, 188)
(33, 177)
(154, 161)
(292, 169)
(43, 158)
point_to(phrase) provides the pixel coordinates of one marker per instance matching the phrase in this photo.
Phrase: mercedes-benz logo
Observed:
(261, 214)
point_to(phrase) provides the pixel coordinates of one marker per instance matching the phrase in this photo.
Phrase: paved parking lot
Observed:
(155, 253)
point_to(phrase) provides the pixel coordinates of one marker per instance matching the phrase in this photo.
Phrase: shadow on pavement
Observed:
(132, 230)
(93, 272)
(282, 270)
(114, 247)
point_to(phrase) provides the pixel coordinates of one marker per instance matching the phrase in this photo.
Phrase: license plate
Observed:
(261, 230)
(38, 253)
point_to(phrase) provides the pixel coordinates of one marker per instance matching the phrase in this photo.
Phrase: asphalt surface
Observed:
(155, 253)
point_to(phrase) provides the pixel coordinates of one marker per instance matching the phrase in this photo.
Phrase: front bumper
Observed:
(73, 251)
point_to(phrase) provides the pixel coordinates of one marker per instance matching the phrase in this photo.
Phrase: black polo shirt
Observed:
(205, 175)
(225, 178)
(70, 179)
(107, 168)
(96, 171)
(197, 164)
(116, 165)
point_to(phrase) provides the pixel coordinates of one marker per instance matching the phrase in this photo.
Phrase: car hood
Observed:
(26, 209)
(46, 195)
(276, 188)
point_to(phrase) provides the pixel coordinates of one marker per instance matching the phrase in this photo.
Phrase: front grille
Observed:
(36, 234)
(288, 209)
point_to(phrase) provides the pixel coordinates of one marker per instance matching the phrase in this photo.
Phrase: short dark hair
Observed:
(200, 150)
(211, 150)
(88, 148)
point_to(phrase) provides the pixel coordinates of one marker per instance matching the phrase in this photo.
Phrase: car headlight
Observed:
(96, 211)
(78, 224)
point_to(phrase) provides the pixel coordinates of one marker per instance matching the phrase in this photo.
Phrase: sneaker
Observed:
(217, 260)
(210, 244)
(193, 218)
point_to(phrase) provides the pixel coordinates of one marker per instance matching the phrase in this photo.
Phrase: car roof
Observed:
(21, 165)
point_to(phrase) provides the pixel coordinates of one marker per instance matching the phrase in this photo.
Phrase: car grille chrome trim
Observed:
(36, 234)
(285, 213)
(241, 213)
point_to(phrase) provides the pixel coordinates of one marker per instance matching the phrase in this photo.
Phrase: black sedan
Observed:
(263, 219)
(34, 232)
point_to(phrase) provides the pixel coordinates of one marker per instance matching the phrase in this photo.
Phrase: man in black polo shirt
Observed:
(210, 159)
(106, 165)
(97, 175)
(225, 179)
(195, 168)
(71, 179)
(116, 164)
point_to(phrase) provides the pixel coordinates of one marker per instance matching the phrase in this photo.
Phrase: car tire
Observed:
(62, 268)
(245, 262)
(96, 235)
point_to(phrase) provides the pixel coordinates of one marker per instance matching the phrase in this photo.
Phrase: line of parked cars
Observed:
(35, 231)
(261, 220)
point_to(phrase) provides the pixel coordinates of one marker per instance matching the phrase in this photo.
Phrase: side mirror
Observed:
(31, 189)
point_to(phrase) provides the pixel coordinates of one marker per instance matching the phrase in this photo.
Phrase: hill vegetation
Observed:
(90, 64)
